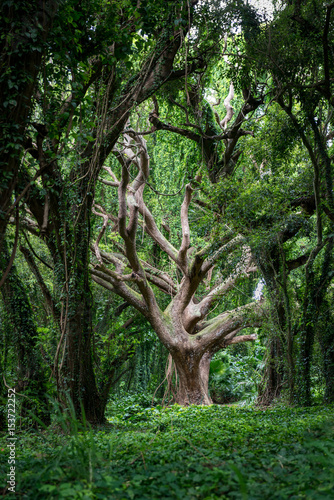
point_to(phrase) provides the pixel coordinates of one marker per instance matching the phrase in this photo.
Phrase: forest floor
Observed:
(209, 453)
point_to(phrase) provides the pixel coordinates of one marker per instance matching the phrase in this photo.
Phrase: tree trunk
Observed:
(21, 56)
(79, 377)
(306, 342)
(274, 374)
(279, 362)
(31, 377)
(79, 372)
(326, 340)
(328, 361)
(193, 378)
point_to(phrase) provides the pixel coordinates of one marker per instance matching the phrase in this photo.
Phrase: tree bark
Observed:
(327, 349)
(24, 61)
(76, 371)
(193, 378)
(30, 375)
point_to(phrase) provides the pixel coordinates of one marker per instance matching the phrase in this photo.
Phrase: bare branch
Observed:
(162, 275)
(182, 256)
(44, 289)
(229, 108)
(160, 283)
(111, 173)
(226, 248)
(241, 338)
(123, 290)
(214, 331)
(196, 312)
(117, 259)
(105, 223)
(137, 187)
(108, 183)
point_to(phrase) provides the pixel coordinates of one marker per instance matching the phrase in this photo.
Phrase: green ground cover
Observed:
(207, 453)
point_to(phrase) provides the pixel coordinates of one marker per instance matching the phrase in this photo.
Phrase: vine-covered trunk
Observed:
(276, 359)
(20, 23)
(193, 378)
(329, 375)
(273, 378)
(30, 376)
(326, 340)
(79, 377)
(303, 385)
(79, 370)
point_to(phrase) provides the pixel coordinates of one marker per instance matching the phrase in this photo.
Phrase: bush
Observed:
(235, 375)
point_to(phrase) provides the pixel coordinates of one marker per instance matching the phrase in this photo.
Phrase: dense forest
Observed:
(167, 249)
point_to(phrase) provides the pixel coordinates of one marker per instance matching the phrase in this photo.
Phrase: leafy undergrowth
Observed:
(207, 453)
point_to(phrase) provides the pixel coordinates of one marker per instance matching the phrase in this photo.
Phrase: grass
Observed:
(204, 453)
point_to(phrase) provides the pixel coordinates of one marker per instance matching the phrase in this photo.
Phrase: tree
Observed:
(182, 327)
(25, 29)
(292, 59)
(29, 377)
(82, 105)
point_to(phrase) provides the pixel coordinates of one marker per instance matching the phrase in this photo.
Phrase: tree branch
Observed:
(226, 248)
(241, 338)
(229, 108)
(182, 255)
(44, 289)
(214, 331)
(137, 188)
(196, 312)
(118, 286)
(101, 233)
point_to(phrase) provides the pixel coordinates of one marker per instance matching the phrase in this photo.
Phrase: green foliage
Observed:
(235, 376)
(193, 453)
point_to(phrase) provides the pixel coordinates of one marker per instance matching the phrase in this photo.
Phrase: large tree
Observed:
(183, 327)
(291, 58)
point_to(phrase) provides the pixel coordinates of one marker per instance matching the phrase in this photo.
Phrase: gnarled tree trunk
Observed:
(182, 327)
(193, 377)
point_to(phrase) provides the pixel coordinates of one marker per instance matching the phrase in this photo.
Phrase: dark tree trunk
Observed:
(30, 374)
(273, 378)
(326, 341)
(303, 379)
(3, 401)
(270, 264)
(79, 376)
(24, 61)
(328, 361)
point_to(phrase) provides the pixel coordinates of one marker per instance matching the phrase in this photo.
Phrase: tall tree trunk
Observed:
(23, 60)
(328, 368)
(326, 340)
(270, 264)
(273, 378)
(303, 379)
(30, 373)
(78, 376)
